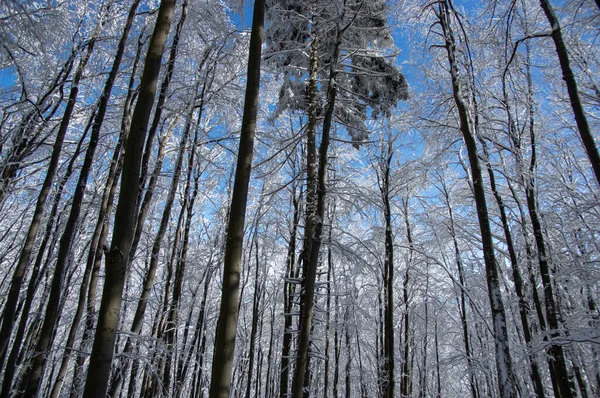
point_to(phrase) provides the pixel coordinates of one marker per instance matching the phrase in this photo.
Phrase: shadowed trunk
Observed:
(506, 380)
(228, 312)
(116, 259)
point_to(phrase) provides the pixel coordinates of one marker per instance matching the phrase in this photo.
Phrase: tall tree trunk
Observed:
(164, 88)
(437, 360)
(388, 273)
(348, 390)
(188, 205)
(585, 132)
(406, 379)
(536, 378)
(34, 375)
(423, 377)
(94, 259)
(37, 272)
(337, 341)
(9, 312)
(288, 297)
(228, 313)
(116, 259)
(309, 277)
(506, 380)
(328, 308)
(462, 287)
(255, 309)
(140, 311)
(561, 383)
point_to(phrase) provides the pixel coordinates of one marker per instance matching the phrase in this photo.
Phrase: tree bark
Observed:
(506, 380)
(585, 132)
(9, 311)
(164, 88)
(388, 273)
(309, 277)
(37, 272)
(228, 312)
(288, 301)
(116, 259)
(255, 310)
(406, 379)
(34, 375)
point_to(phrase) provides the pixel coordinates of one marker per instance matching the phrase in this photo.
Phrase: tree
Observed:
(116, 258)
(506, 381)
(228, 313)
(585, 132)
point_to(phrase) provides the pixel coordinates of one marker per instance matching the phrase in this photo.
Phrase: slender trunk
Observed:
(34, 375)
(288, 300)
(298, 385)
(437, 360)
(561, 383)
(558, 367)
(255, 311)
(201, 330)
(506, 380)
(36, 273)
(269, 380)
(348, 391)
(336, 346)
(151, 272)
(116, 259)
(423, 378)
(517, 277)
(98, 241)
(328, 312)
(9, 312)
(463, 287)
(164, 87)
(105, 208)
(388, 277)
(228, 312)
(585, 132)
(189, 207)
(406, 380)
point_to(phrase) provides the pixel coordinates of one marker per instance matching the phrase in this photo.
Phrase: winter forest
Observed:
(299, 198)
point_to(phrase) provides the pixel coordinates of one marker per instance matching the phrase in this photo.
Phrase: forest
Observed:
(299, 198)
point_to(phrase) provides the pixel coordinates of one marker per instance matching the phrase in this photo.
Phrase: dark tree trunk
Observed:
(524, 307)
(94, 259)
(9, 311)
(309, 277)
(388, 382)
(288, 298)
(506, 380)
(463, 287)
(336, 345)
(228, 313)
(328, 309)
(164, 88)
(116, 259)
(406, 379)
(561, 383)
(37, 272)
(348, 391)
(255, 311)
(580, 118)
(33, 377)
